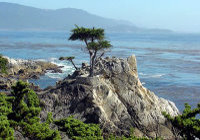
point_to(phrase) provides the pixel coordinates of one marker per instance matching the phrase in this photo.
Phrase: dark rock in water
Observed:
(56, 70)
(113, 98)
(34, 76)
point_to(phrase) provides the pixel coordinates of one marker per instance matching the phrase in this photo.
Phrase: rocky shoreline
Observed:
(113, 98)
(25, 69)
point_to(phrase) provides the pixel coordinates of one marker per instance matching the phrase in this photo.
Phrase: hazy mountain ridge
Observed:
(19, 17)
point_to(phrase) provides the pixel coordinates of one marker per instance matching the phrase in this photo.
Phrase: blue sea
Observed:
(168, 63)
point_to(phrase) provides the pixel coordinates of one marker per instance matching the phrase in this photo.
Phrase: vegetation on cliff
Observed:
(6, 131)
(76, 129)
(20, 112)
(187, 124)
(3, 64)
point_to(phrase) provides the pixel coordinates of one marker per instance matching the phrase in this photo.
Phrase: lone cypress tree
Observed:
(94, 41)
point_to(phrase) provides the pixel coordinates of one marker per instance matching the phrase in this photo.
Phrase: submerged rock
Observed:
(113, 98)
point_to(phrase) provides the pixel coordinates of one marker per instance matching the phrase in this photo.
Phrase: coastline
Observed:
(176, 58)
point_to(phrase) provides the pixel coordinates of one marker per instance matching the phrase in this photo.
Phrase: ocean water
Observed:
(168, 63)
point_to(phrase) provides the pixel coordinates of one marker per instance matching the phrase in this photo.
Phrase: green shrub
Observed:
(3, 64)
(39, 131)
(76, 129)
(26, 104)
(26, 110)
(21, 111)
(6, 131)
(187, 123)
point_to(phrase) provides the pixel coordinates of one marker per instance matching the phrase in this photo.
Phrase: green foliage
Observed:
(6, 132)
(101, 44)
(21, 111)
(187, 122)
(78, 130)
(67, 58)
(85, 34)
(49, 119)
(5, 104)
(26, 110)
(94, 41)
(3, 64)
(40, 131)
(26, 105)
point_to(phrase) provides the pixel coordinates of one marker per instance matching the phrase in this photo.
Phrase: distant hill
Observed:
(19, 17)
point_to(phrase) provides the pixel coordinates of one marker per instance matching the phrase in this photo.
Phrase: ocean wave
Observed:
(143, 75)
(67, 68)
(40, 60)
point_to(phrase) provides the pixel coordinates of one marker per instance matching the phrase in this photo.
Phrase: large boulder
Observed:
(113, 98)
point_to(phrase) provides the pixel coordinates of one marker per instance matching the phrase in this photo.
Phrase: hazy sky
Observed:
(177, 15)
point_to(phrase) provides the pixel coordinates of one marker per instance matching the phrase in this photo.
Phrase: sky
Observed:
(176, 15)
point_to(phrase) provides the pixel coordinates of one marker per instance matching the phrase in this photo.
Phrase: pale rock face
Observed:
(114, 98)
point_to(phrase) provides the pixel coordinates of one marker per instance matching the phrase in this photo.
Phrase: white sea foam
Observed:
(143, 75)
(67, 68)
(40, 60)
(157, 75)
(143, 83)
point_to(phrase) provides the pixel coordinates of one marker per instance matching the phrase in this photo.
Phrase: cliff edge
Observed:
(113, 98)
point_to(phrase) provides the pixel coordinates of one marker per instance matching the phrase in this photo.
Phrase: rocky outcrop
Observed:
(25, 69)
(114, 98)
(6, 83)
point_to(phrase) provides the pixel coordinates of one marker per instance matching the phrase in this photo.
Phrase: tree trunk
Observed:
(92, 67)
(92, 64)
(73, 64)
